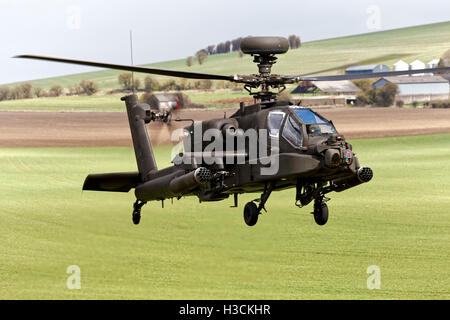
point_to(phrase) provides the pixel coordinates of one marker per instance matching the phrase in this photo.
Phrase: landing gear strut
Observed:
(136, 216)
(313, 191)
(251, 211)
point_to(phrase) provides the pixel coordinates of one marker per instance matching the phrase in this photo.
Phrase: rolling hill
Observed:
(424, 42)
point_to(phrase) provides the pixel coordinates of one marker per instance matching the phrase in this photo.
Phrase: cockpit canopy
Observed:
(293, 125)
(315, 124)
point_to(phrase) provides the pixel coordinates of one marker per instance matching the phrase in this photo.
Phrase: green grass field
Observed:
(66, 103)
(400, 221)
(111, 102)
(424, 42)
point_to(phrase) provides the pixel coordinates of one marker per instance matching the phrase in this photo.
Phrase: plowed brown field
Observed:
(69, 129)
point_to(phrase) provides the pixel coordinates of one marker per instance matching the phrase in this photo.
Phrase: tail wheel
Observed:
(320, 213)
(136, 216)
(251, 213)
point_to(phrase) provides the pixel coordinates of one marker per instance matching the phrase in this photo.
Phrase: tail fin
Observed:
(138, 116)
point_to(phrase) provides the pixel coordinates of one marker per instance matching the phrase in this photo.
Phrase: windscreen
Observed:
(315, 124)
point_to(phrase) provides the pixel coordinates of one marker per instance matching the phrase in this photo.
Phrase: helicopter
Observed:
(264, 147)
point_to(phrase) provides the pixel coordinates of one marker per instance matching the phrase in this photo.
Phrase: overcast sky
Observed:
(168, 29)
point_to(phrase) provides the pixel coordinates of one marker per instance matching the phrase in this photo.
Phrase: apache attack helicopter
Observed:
(309, 153)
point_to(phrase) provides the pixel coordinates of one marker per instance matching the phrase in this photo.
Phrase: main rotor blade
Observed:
(163, 72)
(373, 60)
(368, 75)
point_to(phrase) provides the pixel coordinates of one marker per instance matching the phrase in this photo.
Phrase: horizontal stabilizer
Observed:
(114, 182)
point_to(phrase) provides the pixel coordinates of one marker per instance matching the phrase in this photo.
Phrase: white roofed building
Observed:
(420, 88)
(327, 87)
(400, 65)
(369, 68)
(417, 65)
(433, 63)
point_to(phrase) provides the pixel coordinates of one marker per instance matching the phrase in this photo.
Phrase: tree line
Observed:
(125, 80)
(27, 91)
(382, 96)
(150, 84)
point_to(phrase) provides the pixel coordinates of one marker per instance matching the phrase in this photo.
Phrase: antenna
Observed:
(132, 63)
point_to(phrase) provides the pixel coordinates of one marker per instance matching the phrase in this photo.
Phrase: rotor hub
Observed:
(265, 62)
(263, 50)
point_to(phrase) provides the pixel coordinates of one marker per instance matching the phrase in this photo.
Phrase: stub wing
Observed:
(113, 182)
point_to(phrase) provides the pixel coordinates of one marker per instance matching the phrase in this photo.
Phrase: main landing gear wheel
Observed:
(251, 213)
(320, 213)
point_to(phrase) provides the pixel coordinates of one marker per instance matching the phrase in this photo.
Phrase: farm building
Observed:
(417, 65)
(160, 101)
(400, 66)
(370, 68)
(433, 63)
(418, 88)
(327, 87)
